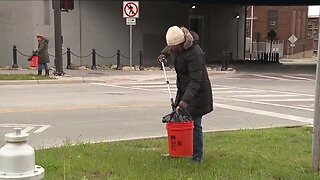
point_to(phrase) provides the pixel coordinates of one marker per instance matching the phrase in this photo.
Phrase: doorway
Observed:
(196, 24)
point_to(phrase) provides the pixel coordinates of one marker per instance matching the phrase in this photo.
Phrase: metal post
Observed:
(68, 58)
(94, 63)
(130, 47)
(237, 57)
(118, 59)
(251, 29)
(58, 40)
(141, 59)
(224, 58)
(316, 119)
(15, 58)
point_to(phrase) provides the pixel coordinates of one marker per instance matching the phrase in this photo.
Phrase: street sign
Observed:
(131, 21)
(293, 39)
(292, 45)
(131, 9)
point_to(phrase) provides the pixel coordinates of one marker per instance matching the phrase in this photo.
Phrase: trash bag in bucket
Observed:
(177, 116)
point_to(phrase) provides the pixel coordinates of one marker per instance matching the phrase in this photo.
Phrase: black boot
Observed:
(47, 73)
(39, 73)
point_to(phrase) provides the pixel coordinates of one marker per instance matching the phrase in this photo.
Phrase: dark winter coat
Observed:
(42, 51)
(193, 83)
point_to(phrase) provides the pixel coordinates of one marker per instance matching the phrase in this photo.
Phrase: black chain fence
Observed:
(118, 55)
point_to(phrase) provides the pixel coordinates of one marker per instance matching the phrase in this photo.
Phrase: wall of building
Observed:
(292, 20)
(313, 32)
(100, 25)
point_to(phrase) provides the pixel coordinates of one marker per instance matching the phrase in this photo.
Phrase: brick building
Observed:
(285, 21)
(313, 31)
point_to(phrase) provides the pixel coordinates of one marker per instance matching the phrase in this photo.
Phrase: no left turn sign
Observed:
(131, 9)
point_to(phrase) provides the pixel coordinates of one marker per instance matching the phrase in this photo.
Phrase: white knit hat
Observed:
(174, 36)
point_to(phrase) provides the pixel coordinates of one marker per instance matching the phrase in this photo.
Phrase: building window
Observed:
(309, 33)
(272, 20)
(273, 23)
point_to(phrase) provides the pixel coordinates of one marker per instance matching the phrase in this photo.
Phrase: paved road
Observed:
(97, 111)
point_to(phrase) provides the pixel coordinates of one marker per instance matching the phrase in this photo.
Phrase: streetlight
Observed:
(193, 6)
(237, 17)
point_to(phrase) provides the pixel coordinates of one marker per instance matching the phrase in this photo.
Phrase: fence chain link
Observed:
(124, 56)
(108, 57)
(23, 54)
(80, 56)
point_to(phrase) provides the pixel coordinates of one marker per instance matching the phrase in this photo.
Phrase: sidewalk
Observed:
(89, 76)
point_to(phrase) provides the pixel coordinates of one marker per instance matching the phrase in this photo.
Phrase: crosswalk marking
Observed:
(269, 77)
(284, 100)
(264, 95)
(265, 103)
(154, 86)
(27, 127)
(280, 77)
(266, 113)
(295, 77)
(236, 91)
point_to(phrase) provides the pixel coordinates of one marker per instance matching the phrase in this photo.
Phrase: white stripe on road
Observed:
(265, 103)
(172, 89)
(110, 85)
(27, 129)
(239, 91)
(306, 106)
(41, 129)
(284, 100)
(268, 91)
(269, 77)
(154, 86)
(266, 113)
(218, 89)
(298, 78)
(265, 95)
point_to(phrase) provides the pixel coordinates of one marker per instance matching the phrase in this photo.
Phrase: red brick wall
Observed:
(291, 20)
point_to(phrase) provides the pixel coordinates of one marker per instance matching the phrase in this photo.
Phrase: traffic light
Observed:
(65, 5)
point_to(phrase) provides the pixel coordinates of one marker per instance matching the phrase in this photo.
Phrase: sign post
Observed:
(131, 12)
(293, 39)
(316, 118)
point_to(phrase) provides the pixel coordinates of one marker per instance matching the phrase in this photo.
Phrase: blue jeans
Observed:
(43, 65)
(197, 139)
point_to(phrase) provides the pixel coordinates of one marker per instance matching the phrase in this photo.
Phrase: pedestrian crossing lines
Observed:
(231, 92)
(279, 77)
(239, 94)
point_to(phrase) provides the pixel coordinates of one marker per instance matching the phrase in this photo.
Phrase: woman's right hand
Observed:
(162, 58)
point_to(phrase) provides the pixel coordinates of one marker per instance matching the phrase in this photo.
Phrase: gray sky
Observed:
(313, 10)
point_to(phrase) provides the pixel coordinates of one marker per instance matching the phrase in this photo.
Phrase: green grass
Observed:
(277, 154)
(23, 77)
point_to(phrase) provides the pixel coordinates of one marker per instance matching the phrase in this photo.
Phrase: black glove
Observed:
(162, 58)
(35, 53)
(182, 105)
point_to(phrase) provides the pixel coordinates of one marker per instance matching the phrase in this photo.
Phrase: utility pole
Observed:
(252, 18)
(251, 29)
(58, 38)
(316, 120)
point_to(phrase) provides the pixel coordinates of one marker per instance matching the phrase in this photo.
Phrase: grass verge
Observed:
(23, 77)
(278, 154)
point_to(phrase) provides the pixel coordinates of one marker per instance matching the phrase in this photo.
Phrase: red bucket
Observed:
(34, 61)
(180, 139)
